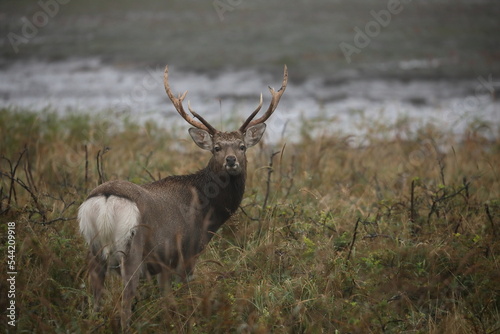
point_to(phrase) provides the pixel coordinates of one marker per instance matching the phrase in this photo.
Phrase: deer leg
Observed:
(130, 272)
(97, 275)
(189, 269)
(164, 260)
(185, 269)
(165, 280)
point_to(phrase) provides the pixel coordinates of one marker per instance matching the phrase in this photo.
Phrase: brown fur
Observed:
(177, 216)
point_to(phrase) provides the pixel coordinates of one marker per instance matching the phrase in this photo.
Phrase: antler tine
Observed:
(276, 96)
(210, 128)
(177, 102)
(252, 115)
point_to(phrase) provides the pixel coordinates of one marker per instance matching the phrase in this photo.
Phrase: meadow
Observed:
(392, 231)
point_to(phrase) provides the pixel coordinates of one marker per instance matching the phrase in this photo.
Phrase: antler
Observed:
(177, 102)
(276, 96)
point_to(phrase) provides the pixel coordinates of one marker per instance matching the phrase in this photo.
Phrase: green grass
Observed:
(382, 234)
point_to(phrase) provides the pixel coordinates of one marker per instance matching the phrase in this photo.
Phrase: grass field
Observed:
(393, 232)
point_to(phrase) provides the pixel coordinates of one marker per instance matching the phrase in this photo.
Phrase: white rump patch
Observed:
(107, 224)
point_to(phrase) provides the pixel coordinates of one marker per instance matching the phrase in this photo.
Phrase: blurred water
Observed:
(427, 62)
(87, 85)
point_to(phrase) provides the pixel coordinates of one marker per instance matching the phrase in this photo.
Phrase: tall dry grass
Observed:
(370, 234)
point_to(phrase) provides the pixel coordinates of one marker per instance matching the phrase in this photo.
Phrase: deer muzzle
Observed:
(232, 165)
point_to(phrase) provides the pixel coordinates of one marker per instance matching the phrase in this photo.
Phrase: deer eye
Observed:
(217, 148)
(243, 147)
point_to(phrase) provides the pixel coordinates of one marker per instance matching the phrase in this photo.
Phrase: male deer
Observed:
(161, 227)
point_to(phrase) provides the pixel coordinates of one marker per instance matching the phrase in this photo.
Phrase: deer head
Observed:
(228, 148)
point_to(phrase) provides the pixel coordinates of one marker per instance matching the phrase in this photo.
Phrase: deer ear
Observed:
(202, 138)
(254, 133)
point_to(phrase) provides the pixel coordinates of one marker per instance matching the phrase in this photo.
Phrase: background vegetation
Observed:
(392, 231)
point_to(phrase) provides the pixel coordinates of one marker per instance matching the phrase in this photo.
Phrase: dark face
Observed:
(229, 148)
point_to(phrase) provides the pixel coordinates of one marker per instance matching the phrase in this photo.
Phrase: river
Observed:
(350, 63)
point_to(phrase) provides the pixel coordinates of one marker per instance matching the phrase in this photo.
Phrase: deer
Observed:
(160, 228)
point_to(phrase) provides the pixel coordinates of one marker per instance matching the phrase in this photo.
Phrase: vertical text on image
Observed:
(11, 273)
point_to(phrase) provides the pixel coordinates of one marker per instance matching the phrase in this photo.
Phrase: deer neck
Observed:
(222, 191)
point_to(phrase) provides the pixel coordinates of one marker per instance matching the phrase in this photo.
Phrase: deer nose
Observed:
(231, 160)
